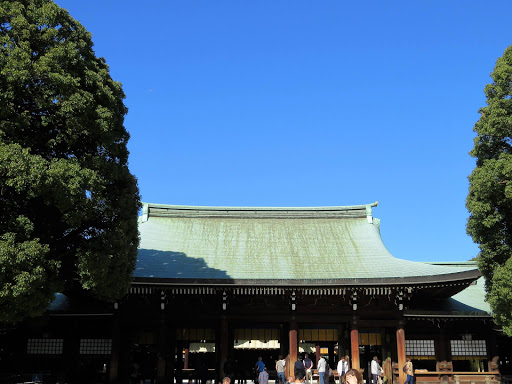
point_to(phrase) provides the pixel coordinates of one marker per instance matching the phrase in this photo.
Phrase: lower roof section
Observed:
(276, 246)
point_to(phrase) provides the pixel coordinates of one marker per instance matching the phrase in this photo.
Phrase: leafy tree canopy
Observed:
(68, 203)
(490, 193)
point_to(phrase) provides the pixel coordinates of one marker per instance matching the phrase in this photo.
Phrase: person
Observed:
(328, 371)
(289, 380)
(298, 368)
(263, 377)
(259, 367)
(280, 365)
(353, 377)
(321, 369)
(299, 377)
(408, 369)
(342, 367)
(226, 380)
(308, 366)
(376, 369)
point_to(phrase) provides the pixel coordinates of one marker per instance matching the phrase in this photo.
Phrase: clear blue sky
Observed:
(307, 103)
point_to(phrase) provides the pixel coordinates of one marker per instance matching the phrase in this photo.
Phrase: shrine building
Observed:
(213, 284)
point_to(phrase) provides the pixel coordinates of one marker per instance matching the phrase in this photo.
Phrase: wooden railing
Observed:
(445, 374)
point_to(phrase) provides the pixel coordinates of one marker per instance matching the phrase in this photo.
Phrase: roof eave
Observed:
(458, 278)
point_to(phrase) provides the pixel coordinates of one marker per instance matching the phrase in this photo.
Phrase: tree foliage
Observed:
(68, 203)
(490, 193)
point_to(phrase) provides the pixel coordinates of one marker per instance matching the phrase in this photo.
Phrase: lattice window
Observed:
(95, 346)
(45, 346)
(420, 348)
(468, 348)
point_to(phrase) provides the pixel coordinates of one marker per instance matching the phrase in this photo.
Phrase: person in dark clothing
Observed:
(229, 369)
(327, 373)
(298, 368)
(308, 366)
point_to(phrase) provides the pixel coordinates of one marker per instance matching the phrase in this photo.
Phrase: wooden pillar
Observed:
(317, 355)
(179, 362)
(492, 347)
(187, 351)
(294, 346)
(113, 373)
(224, 345)
(400, 346)
(283, 340)
(341, 344)
(441, 345)
(172, 352)
(162, 350)
(354, 346)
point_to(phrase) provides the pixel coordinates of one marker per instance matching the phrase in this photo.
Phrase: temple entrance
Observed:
(370, 345)
(251, 343)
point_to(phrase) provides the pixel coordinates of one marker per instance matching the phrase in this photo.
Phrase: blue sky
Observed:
(307, 103)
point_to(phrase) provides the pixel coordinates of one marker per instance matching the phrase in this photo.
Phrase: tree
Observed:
(490, 193)
(68, 203)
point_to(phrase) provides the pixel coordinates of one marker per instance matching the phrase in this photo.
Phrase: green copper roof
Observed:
(471, 299)
(468, 303)
(340, 244)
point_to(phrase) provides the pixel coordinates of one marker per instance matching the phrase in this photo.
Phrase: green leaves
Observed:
(490, 193)
(67, 199)
(27, 277)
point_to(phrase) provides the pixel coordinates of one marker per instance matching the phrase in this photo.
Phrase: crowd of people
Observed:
(303, 371)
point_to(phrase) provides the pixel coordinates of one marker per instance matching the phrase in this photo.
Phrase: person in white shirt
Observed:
(342, 368)
(321, 369)
(376, 370)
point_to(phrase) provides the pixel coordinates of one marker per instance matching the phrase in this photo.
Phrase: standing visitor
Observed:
(328, 371)
(263, 377)
(376, 370)
(298, 368)
(321, 369)
(259, 367)
(342, 368)
(308, 366)
(408, 369)
(280, 365)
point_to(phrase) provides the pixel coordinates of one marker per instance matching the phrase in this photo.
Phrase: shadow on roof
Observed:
(174, 265)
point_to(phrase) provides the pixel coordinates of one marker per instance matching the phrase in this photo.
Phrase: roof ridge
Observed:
(241, 208)
(164, 210)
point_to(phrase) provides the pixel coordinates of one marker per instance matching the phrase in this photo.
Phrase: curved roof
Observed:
(247, 245)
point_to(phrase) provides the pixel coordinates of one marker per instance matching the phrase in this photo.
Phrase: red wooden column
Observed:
(294, 346)
(187, 351)
(224, 344)
(354, 346)
(400, 346)
(317, 355)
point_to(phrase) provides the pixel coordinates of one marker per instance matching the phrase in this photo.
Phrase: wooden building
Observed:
(214, 284)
